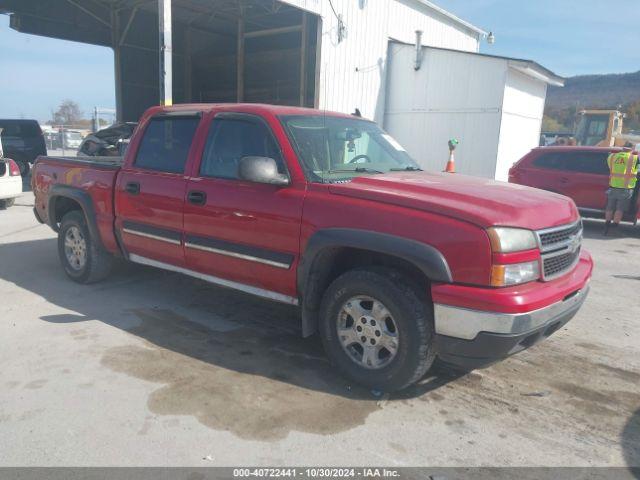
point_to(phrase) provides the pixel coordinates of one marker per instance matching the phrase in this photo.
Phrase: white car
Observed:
(10, 182)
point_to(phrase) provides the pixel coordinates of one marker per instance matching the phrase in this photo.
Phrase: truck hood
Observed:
(476, 200)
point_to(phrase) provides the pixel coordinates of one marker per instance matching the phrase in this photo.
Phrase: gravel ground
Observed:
(150, 368)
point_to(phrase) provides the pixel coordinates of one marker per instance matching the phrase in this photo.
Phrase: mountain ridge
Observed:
(596, 91)
(606, 91)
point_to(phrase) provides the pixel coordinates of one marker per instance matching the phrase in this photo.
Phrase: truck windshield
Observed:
(335, 149)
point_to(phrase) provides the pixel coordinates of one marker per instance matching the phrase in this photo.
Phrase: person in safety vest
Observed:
(623, 168)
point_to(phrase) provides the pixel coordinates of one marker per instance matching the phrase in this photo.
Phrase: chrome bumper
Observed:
(466, 324)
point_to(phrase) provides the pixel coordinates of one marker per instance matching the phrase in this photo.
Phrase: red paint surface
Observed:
(517, 299)
(97, 182)
(516, 257)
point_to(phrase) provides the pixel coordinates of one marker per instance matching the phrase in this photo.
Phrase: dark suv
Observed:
(23, 141)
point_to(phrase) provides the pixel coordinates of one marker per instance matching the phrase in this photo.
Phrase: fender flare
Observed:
(426, 258)
(85, 202)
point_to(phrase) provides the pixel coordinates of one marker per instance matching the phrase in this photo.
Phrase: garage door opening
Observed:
(272, 60)
(253, 51)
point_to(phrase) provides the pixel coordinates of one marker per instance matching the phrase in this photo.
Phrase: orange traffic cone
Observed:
(451, 164)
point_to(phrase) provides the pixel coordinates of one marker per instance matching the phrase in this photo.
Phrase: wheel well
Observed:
(62, 206)
(330, 263)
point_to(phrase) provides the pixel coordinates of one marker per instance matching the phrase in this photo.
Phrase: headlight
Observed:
(515, 273)
(507, 240)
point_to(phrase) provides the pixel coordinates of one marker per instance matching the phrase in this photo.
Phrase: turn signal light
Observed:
(515, 273)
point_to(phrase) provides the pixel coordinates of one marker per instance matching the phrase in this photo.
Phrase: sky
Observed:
(570, 37)
(38, 73)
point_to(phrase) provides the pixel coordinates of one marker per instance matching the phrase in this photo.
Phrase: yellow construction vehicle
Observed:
(603, 128)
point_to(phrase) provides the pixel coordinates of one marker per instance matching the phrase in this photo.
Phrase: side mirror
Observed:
(261, 170)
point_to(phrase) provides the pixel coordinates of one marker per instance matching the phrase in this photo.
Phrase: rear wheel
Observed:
(377, 330)
(82, 259)
(7, 202)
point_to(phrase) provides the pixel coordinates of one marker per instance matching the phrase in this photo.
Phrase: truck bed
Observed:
(113, 163)
(92, 178)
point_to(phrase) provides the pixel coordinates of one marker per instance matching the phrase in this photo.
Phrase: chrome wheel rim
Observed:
(367, 332)
(75, 248)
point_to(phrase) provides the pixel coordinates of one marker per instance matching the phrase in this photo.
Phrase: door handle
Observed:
(197, 198)
(564, 180)
(132, 188)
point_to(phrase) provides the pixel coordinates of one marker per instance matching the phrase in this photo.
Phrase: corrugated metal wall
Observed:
(453, 95)
(522, 111)
(353, 70)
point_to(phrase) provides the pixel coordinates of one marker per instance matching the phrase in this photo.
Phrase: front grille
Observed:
(556, 265)
(549, 238)
(560, 249)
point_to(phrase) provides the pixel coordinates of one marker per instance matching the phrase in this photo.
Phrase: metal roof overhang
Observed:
(527, 67)
(92, 21)
(537, 71)
(42, 17)
(453, 17)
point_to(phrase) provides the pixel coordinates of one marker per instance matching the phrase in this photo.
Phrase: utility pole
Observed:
(166, 52)
(240, 60)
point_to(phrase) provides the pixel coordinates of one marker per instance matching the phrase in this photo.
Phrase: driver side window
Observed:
(230, 140)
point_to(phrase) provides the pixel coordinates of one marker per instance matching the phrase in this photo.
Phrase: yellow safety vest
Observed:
(624, 169)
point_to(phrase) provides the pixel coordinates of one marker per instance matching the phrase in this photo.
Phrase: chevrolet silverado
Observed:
(392, 266)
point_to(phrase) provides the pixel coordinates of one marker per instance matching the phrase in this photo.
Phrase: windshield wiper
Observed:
(357, 170)
(408, 168)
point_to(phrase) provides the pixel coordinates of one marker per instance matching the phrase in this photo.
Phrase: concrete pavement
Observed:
(150, 368)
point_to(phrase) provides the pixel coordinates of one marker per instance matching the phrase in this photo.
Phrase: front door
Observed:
(150, 192)
(239, 231)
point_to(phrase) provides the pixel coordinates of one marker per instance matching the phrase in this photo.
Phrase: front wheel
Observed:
(376, 329)
(82, 259)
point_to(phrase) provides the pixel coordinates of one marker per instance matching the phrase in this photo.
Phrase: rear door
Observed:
(150, 191)
(588, 178)
(241, 231)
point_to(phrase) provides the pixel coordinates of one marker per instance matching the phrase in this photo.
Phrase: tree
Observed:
(550, 124)
(632, 121)
(68, 113)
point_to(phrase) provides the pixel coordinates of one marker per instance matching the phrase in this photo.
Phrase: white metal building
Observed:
(353, 69)
(492, 105)
(329, 54)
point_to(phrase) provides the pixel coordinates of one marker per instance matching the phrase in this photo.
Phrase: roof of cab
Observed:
(256, 108)
(569, 148)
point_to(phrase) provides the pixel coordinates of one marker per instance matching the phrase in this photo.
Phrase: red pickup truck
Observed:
(391, 265)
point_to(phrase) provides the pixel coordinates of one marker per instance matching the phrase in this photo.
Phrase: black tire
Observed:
(98, 262)
(6, 203)
(412, 315)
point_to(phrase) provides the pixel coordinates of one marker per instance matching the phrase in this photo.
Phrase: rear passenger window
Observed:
(30, 129)
(584, 162)
(166, 143)
(552, 160)
(589, 162)
(232, 139)
(20, 129)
